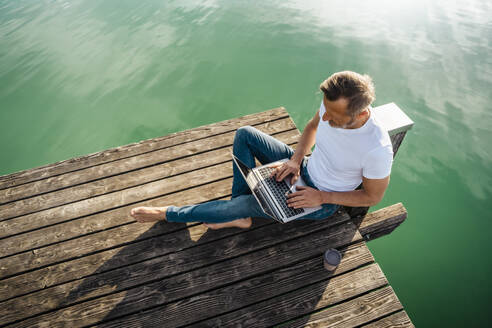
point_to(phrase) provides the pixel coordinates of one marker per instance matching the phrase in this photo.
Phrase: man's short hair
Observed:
(357, 89)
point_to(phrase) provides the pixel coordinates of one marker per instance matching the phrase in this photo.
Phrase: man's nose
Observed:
(326, 117)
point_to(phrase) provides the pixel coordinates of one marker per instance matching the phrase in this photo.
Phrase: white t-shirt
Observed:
(342, 156)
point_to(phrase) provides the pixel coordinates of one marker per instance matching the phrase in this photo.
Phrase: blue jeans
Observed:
(249, 143)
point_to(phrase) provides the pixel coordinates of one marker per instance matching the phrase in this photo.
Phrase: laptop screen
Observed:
(253, 185)
(242, 166)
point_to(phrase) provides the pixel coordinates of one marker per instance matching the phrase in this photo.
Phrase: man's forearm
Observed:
(308, 138)
(349, 198)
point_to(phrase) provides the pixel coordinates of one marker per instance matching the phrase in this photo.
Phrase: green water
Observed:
(77, 77)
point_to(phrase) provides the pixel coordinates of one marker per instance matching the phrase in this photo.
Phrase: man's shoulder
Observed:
(377, 162)
(380, 142)
(380, 135)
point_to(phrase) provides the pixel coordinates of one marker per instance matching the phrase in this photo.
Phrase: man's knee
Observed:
(244, 131)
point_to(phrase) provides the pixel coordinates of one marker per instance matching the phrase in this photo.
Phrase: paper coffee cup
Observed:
(331, 259)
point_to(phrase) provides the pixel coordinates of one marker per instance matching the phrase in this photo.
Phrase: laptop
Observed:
(270, 194)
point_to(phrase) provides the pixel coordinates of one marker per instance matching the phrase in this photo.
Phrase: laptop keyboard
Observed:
(279, 189)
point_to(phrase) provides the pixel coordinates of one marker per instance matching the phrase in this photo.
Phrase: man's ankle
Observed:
(164, 212)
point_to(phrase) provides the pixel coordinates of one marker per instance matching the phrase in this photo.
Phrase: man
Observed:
(351, 147)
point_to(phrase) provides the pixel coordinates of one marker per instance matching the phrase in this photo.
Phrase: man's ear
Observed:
(363, 114)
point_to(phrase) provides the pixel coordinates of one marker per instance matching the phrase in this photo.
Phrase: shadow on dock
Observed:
(179, 284)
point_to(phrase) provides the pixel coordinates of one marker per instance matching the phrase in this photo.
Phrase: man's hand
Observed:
(305, 197)
(283, 170)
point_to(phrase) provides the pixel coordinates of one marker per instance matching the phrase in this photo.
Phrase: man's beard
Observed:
(345, 126)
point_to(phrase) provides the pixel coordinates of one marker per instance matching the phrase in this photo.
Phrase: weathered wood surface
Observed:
(70, 254)
(353, 313)
(292, 294)
(130, 150)
(104, 211)
(381, 222)
(187, 259)
(195, 282)
(143, 168)
(397, 320)
(101, 194)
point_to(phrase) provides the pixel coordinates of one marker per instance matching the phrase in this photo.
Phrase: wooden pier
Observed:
(72, 256)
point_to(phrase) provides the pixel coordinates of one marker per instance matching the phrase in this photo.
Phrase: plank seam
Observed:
(332, 305)
(80, 157)
(132, 170)
(380, 318)
(121, 173)
(97, 251)
(288, 292)
(107, 209)
(194, 269)
(150, 237)
(111, 209)
(102, 211)
(14, 175)
(129, 264)
(247, 278)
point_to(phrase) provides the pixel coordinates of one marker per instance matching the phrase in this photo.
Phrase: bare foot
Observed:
(148, 214)
(240, 223)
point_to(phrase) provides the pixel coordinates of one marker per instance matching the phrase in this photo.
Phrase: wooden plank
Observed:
(20, 242)
(251, 291)
(62, 192)
(149, 271)
(120, 199)
(61, 223)
(115, 200)
(98, 241)
(263, 260)
(382, 221)
(145, 247)
(110, 177)
(352, 313)
(275, 308)
(130, 150)
(396, 320)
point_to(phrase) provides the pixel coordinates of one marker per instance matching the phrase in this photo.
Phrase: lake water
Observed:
(77, 77)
